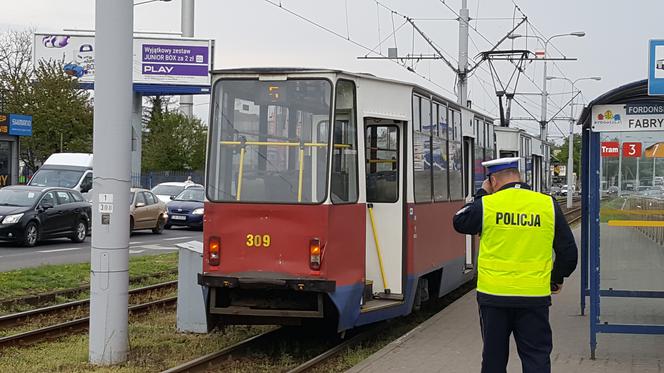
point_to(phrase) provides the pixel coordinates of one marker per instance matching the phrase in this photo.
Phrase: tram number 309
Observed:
(257, 240)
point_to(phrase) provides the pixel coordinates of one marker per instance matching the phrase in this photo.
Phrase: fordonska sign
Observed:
(628, 117)
(156, 60)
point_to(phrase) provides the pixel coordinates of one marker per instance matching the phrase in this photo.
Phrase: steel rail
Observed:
(333, 351)
(71, 292)
(21, 317)
(54, 331)
(206, 362)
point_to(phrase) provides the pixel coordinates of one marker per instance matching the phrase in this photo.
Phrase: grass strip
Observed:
(154, 346)
(48, 278)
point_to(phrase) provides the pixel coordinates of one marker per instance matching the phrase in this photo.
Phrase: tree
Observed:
(173, 141)
(564, 153)
(61, 112)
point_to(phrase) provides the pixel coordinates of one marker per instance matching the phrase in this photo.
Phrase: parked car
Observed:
(170, 190)
(187, 209)
(146, 211)
(563, 190)
(66, 170)
(29, 214)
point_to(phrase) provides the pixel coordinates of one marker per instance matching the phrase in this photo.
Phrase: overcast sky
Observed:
(255, 33)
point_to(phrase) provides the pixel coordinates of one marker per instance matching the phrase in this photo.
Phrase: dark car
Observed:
(29, 214)
(186, 209)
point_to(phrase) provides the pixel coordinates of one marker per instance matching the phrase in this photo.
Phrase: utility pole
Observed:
(109, 276)
(462, 85)
(187, 28)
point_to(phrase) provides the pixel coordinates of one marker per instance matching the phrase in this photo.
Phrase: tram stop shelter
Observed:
(622, 233)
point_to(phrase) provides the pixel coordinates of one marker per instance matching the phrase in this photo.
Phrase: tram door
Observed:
(468, 183)
(384, 185)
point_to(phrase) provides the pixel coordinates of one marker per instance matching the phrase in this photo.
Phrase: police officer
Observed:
(519, 231)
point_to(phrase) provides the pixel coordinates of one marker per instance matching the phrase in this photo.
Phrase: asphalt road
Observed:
(61, 251)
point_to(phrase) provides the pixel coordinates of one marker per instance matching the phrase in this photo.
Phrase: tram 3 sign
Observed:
(630, 117)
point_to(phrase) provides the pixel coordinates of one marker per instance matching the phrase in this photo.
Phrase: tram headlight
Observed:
(214, 251)
(314, 254)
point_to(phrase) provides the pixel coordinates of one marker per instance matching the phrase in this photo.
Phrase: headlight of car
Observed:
(12, 219)
(198, 211)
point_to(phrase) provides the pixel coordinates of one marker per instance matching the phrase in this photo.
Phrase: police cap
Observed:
(500, 164)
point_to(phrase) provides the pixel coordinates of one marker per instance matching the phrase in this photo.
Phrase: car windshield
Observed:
(56, 178)
(18, 197)
(269, 141)
(168, 190)
(131, 198)
(191, 194)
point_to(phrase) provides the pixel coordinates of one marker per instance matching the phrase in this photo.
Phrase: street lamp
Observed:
(570, 141)
(544, 41)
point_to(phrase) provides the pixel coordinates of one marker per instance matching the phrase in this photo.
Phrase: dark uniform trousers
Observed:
(532, 334)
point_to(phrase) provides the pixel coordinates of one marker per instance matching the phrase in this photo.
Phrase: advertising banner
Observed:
(20, 125)
(156, 60)
(641, 117)
(4, 124)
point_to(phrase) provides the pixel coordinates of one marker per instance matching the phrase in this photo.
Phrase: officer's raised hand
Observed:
(486, 185)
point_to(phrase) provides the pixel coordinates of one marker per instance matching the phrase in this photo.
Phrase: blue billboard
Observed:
(20, 125)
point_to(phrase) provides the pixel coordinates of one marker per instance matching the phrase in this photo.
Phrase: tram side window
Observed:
(422, 159)
(382, 163)
(344, 149)
(440, 156)
(455, 157)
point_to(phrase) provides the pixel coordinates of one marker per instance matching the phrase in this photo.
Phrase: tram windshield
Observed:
(269, 141)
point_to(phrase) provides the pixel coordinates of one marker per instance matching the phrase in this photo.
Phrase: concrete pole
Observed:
(637, 173)
(619, 170)
(462, 85)
(570, 152)
(109, 280)
(187, 28)
(136, 138)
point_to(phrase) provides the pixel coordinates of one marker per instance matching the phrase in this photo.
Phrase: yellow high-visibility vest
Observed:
(516, 245)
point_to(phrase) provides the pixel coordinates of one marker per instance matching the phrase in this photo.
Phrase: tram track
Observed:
(41, 299)
(78, 324)
(318, 350)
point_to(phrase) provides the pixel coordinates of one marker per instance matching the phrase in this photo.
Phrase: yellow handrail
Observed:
(240, 175)
(381, 161)
(299, 181)
(380, 258)
(282, 143)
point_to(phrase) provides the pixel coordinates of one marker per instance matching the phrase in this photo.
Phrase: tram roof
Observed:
(631, 92)
(301, 70)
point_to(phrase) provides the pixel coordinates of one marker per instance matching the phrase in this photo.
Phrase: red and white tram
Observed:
(331, 196)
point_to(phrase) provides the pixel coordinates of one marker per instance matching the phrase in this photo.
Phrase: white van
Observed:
(68, 170)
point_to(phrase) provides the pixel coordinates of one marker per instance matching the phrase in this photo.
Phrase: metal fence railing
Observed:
(150, 179)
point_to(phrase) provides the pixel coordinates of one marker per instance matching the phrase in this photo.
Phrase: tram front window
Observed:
(269, 141)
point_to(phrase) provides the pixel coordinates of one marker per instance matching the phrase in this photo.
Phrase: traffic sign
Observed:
(631, 149)
(656, 68)
(610, 149)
